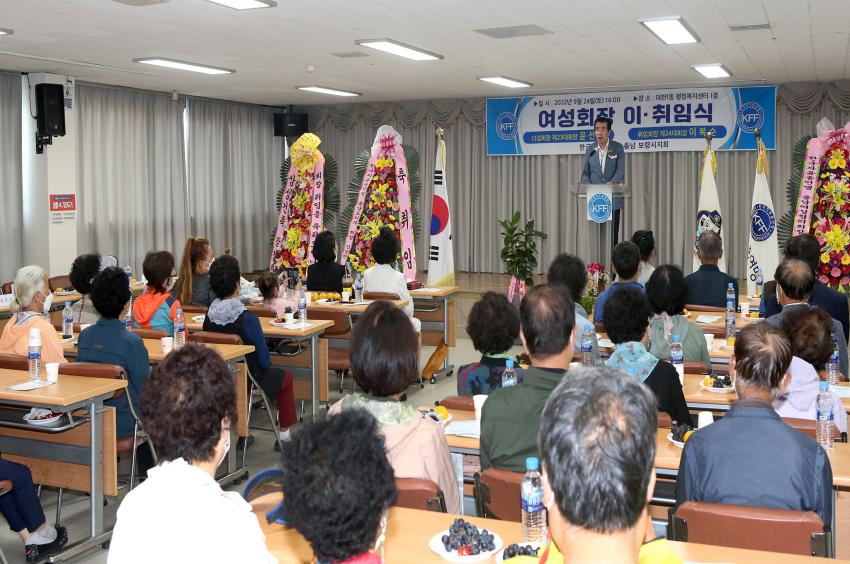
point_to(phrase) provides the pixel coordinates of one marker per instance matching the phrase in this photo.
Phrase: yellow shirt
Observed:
(656, 551)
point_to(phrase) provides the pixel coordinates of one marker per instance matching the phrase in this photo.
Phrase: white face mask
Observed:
(226, 448)
(48, 301)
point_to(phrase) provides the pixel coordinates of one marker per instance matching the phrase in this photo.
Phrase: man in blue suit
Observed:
(605, 163)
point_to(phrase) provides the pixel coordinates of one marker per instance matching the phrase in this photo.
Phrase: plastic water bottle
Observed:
(730, 315)
(509, 375)
(34, 354)
(67, 321)
(677, 357)
(179, 329)
(832, 364)
(533, 512)
(358, 289)
(128, 317)
(586, 348)
(302, 306)
(824, 424)
(759, 283)
(128, 271)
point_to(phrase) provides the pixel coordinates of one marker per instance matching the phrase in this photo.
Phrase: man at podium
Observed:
(605, 163)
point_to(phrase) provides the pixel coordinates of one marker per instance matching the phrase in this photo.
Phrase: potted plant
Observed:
(519, 252)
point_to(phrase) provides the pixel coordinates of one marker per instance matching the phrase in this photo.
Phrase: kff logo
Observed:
(506, 126)
(599, 208)
(750, 117)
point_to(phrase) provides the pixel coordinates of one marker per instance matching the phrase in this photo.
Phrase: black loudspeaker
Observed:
(50, 104)
(290, 125)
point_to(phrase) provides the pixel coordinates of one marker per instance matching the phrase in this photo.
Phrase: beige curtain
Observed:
(11, 211)
(482, 189)
(233, 161)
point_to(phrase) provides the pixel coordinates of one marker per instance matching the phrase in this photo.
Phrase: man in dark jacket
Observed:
(707, 286)
(510, 417)
(751, 457)
(807, 249)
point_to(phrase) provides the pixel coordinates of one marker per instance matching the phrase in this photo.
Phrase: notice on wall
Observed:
(63, 209)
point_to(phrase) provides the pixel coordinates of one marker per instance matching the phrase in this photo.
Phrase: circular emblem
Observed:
(439, 215)
(506, 126)
(750, 117)
(763, 223)
(599, 208)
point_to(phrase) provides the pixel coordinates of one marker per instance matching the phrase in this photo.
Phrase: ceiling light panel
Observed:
(672, 30)
(400, 49)
(183, 65)
(506, 81)
(245, 4)
(713, 70)
(326, 90)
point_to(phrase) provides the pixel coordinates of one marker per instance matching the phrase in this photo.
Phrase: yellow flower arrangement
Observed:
(293, 237)
(836, 238)
(836, 159)
(845, 260)
(305, 153)
(824, 258)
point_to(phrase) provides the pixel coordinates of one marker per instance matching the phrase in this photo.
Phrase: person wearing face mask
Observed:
(32, 298)
(180, 513)
(156, 308)
(193, 285)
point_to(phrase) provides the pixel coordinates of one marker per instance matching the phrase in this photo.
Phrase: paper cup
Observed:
(52, 371)
(308, 296)
(709, 341)
(478, 401)
(167, 344)
(704, 419)
(346, 296)
(745, 309)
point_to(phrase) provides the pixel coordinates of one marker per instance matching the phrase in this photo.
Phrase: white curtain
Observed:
(11, 210)
(234, 174)
(131, 173)
(483, 190)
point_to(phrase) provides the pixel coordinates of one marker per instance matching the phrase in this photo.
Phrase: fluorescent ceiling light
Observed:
(672, 30)
(6, 31)
(394, 47)
(505, 81)
(714, 70)
(246, 4)
(183, 65)
(331, 91)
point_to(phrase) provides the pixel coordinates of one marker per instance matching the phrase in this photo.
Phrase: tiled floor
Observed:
(260, 455)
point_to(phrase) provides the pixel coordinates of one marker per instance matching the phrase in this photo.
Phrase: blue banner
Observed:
(644, 120)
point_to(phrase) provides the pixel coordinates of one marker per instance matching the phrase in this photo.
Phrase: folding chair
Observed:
(63, 282)
(338, 359)
(497, 494)
(150, 333)
(418, 493)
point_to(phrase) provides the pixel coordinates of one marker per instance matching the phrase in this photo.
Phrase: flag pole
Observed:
(439, 133)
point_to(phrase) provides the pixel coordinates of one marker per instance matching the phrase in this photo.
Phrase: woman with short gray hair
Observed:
(32, 298)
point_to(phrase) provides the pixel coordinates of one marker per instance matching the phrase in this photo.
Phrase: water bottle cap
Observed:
(824, 385)
(731, 286)
(179, 311)
(34, 337)
(509, 363)
(676, 338)
(67, 304)
(532, 463)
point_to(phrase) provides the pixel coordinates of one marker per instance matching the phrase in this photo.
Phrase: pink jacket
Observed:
(419, 450)
(15, 339)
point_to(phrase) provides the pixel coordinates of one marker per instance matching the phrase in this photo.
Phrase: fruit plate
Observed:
(65, 293)
(679, 444)
(327, 301)
(432, 415)
(199, 318)
(714, 390)
(46, 422)
(436, 545)
(500, 554)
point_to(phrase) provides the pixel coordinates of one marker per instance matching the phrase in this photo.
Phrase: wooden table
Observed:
(69, 394)
(155, 354)
(436, 309)
(312, 330)
(409, 530)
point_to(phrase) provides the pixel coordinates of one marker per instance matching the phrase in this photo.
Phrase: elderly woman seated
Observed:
(180, 513)
(32, 298)
(344, 454)
(384, 358)
(809, 331)
(83, 270)
(666, 291)
(626, 317)
(493, 326)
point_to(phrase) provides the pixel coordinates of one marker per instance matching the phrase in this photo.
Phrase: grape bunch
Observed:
(722, 381)
(467, 540)
(680, 430)
(519, 550)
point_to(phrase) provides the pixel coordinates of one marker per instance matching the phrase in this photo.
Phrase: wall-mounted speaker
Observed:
(290, 125)
(50, 105)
